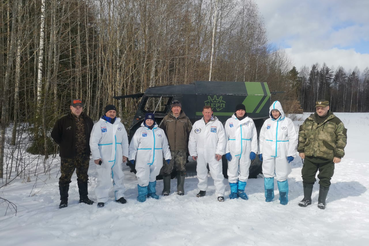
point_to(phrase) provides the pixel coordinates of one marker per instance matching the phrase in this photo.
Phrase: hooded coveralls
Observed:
(110, 143)
(278, 139)
(207, 140)
(241, 138)
(147, 148)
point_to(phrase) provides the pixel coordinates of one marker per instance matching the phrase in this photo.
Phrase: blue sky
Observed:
(335, 32)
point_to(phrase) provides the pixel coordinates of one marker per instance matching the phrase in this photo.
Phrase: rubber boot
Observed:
(269, 189)
(83, 193)
(63, 189)
(241, 190)
(283, 192)
(142, 193)
(166, 183)
(308, 190)
(180, 183)
(323, 192)
(234, 189)
(152, 190)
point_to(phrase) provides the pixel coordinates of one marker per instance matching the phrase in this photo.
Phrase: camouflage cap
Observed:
(322, 103)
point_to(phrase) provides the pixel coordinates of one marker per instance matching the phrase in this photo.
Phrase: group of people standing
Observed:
(161, 149)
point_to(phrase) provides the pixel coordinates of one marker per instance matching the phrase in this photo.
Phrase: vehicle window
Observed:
(156, 104)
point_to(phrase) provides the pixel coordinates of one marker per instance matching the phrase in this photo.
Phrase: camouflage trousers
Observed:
(67, 167)
(312, 165)
(178, 161)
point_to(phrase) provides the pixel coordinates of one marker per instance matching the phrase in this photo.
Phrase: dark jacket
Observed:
(64, 134)
(325, 140)
(177, 130)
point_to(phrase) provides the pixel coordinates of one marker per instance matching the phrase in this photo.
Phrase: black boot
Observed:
(83, 198)
(166, 183)
(63, 189)
(308, 190)
(323, 192)
(180, 183)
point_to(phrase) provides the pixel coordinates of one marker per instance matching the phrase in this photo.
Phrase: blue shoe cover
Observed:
(234, 187)
(283, 192)
(142, 193)
(269, 195)
(243, 195)
(152, 190)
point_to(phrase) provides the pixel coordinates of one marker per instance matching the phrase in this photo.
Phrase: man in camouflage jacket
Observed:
(72, 134)
(322, 139)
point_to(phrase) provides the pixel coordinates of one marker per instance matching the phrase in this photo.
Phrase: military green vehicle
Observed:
(221, 96)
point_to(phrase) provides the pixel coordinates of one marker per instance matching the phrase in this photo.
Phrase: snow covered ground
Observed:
(188, 220)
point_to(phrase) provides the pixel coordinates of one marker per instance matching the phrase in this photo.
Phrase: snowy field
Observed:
(188, 220)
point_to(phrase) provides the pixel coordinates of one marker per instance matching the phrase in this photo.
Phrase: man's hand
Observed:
(218, 157)
(125, 159)
(97, 161)
(194, 158)
(336, 160)
(302, 155)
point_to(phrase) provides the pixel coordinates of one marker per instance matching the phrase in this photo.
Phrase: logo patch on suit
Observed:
(284, 128)
(144, 134)
(159, 135)
(213, 129)
(268, 127)
(119, 128)
(197, 131)
(231, 124)
(103, 129)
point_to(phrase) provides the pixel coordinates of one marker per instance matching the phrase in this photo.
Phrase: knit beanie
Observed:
(109, 107)
(240, 106)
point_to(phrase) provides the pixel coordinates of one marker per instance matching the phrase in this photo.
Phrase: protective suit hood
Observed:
(278, 106)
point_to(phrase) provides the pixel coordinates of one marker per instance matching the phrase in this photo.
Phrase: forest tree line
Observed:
(56, 50)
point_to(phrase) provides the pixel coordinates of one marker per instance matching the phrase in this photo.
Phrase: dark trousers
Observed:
(314, 164)
(67, 167)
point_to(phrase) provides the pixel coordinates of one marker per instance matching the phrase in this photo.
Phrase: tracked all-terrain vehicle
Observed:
(221, 96)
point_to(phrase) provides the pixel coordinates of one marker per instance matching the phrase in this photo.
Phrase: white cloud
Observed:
(325, 30)
(333, 58)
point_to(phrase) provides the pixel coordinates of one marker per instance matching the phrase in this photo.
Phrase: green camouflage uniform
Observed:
(80, 163)
(321, 141)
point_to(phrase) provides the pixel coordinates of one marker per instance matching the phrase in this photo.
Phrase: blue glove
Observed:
(261, 157)
(290, 158)
(252, 156)
(229, 156)
(168, 161)
(132, 161)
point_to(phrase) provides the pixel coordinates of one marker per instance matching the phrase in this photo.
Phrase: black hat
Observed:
(76, 102)
(240, 106)
(176, 103)
(150, 116)
(110, 107)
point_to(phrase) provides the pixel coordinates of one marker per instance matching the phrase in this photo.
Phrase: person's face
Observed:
(207, 113)
(176, 110)
(275, 114)
(322, 111)
(240, 113)
(149, 122)
(111, 114)
(77, 110)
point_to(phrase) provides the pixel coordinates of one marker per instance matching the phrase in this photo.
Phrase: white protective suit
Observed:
(147, 148)
(110, 143)
(242, 139)
(278, 139)
(205, 141)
